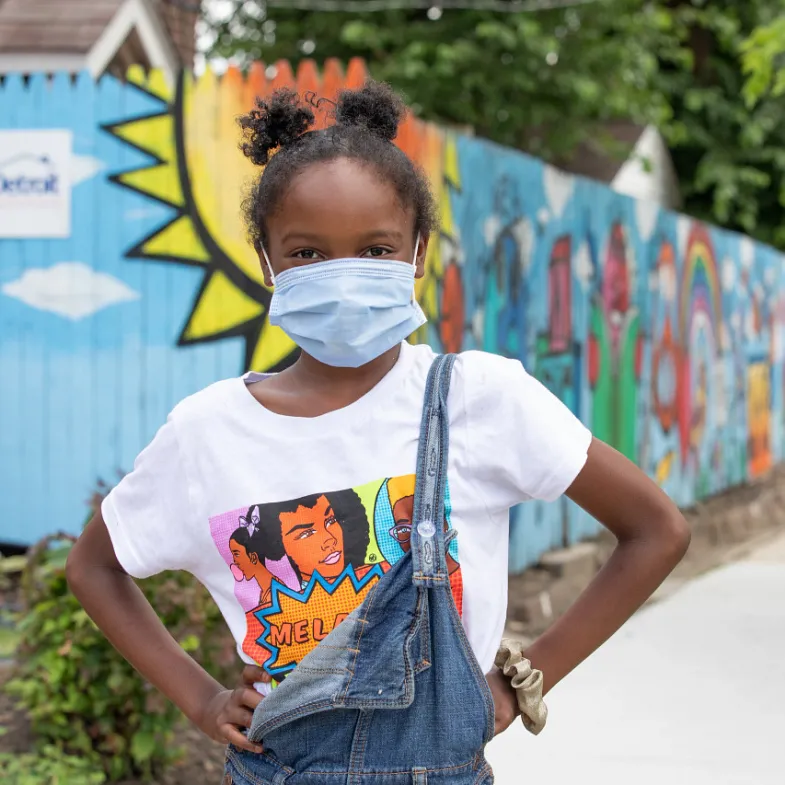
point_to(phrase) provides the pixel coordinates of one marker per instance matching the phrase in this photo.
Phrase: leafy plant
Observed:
(82, 697)
(48, 765)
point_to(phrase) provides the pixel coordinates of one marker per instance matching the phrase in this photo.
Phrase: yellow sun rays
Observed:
(197, 171)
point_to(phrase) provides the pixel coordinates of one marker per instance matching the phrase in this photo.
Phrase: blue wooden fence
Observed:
(664, 335)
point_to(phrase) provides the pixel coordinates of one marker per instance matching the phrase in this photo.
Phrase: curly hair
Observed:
(349, 512)
(277, 135)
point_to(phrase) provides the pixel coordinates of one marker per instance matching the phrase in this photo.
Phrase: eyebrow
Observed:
(300, 526)
(379, 234)
(327, 513)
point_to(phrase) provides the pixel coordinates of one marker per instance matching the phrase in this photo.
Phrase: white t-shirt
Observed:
(288, 521)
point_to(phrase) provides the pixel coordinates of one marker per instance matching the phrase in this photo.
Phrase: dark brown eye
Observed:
(307, 253)
(377, 251)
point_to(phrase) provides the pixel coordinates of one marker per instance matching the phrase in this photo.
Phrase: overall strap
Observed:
(428, 536)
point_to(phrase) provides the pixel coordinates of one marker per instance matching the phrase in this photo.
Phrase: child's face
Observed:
(340, 209)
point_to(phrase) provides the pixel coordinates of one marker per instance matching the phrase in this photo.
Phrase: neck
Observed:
(309, 372)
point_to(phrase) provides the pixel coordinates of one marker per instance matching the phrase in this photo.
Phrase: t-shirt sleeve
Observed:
(525, 443)
(147, 511)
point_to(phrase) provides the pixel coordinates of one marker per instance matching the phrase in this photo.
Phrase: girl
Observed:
(386, 684)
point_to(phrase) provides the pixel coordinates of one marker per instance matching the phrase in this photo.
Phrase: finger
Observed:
(238, 715)
(237, 739)
(253, 674)
(243, 696)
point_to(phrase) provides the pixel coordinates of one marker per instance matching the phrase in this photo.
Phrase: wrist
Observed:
(200, 700)
(526, 682)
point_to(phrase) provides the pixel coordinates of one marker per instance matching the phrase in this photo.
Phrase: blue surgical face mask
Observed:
(347, 312)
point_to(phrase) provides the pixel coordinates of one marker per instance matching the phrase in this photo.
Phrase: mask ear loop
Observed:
(414, 265)
(269, 266)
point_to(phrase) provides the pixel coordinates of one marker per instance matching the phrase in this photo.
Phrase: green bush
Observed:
(50, 766)
(82, 697)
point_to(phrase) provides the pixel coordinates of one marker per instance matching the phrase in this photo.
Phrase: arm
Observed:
(120, 610)
(652, 538)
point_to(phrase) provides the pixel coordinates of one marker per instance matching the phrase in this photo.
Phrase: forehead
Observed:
(339, 199)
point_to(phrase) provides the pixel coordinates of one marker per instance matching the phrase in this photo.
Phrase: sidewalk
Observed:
(691, 691)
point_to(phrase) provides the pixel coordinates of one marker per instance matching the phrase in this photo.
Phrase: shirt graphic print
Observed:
(302, 566)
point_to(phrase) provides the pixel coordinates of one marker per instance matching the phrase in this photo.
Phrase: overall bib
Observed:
(393, 695)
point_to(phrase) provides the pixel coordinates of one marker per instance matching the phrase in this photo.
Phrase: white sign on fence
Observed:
(35, 183)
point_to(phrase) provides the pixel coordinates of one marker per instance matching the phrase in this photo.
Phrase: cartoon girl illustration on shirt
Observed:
(248, 559)
(321, 533)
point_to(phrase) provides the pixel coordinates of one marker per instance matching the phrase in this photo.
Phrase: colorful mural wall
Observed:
(666, 336)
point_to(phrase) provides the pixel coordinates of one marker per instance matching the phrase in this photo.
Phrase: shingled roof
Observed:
(73, 28)
(54, 25)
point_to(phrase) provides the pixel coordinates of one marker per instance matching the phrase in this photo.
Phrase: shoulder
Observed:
(473, 367)
(209, 404)
(479, 368)
(489, 379)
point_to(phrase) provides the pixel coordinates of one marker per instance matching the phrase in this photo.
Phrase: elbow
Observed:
(674, 536)
(74, 570)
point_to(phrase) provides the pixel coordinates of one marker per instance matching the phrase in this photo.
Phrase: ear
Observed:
(268, 279)
(422, 253)
(253, 557)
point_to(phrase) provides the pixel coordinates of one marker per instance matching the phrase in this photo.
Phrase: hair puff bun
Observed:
(275, 123)
(376, 107)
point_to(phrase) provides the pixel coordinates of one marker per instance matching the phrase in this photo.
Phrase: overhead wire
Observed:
(365, 6)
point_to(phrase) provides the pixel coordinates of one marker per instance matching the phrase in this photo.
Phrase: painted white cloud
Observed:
(524, 234)
(491, 229)
(559, 188)
(747, 252)
(70, 289)
(646, 213)
(728, 274)
(83, 167)
(683, 225)
(584, 269)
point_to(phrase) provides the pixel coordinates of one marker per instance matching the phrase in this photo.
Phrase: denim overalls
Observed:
(393, 694)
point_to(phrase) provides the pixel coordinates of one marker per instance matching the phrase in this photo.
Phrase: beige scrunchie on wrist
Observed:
(527, 683)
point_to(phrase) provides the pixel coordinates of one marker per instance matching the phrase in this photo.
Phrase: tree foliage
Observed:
(763, 60)
(544, 81)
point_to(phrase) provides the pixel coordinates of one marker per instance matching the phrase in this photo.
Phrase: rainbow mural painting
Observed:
(665, 335)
